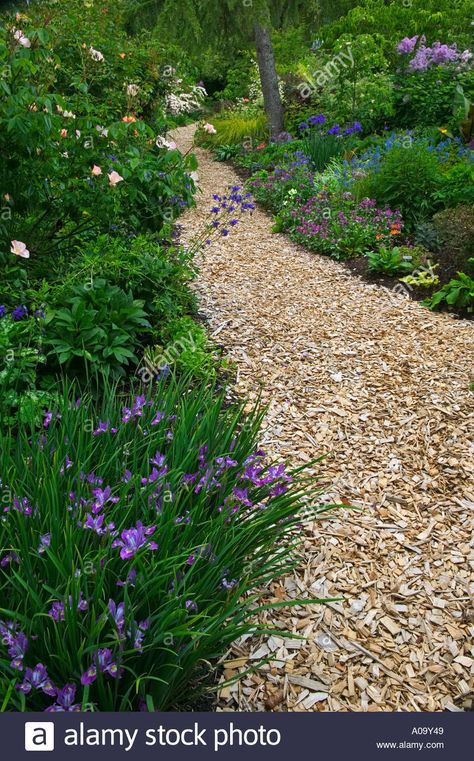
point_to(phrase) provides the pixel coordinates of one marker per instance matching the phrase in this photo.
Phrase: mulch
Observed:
(380, 386)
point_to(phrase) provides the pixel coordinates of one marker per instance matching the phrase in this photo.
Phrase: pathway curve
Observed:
(381, 385)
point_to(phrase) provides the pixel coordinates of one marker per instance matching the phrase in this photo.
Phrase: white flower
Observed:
(195, 177)
(69, 115)
(103, 132)
(19, 249)
(162, 142)
(96, 55)
(133, 90)
(20, 38)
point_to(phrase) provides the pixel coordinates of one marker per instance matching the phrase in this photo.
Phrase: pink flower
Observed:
(96, 170)
(19, 249)
(114, 178)
(63, 133)
(210, 129)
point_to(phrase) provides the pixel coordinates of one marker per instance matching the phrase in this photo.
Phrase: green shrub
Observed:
(408, 179)
(22, 358)
(458, 293)
(394, 261)
(136, 542)
(99, 332)
(455, 228)
(457, 185)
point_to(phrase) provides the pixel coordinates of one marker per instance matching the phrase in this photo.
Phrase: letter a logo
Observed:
(39, 735)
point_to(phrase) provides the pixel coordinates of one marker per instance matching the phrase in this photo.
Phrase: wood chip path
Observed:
(380, 385)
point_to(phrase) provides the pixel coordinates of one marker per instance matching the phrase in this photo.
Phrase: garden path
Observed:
(380, 385)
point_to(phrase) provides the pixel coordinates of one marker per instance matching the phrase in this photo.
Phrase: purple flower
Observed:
(67, 464)
(37, 679)
(133, 539)
(65, 700)
(22, 506)
(118, 614)
(139, 635)
(19, 313)
(105, 663)
(158, 417)
(101, 428)
(47, 419)
(3, 310)
(191, 606)
(102, 496)
(45, 541)
(10, 557)
(407, 45)
(158, 459)
(18, 645)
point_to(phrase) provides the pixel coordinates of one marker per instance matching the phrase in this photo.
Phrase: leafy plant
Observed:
(321, 148)
(408, 179)
(135, 546)
(390, 261)
(226, 152)
(458, 293)
(423, 279)
(99, 332)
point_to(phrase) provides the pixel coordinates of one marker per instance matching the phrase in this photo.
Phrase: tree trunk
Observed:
(269, 79)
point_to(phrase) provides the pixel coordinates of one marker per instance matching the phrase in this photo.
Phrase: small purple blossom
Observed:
(133, 539)
(65, 700)
(37, 679)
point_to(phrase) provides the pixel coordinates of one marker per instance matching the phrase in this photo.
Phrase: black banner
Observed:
(233, 735)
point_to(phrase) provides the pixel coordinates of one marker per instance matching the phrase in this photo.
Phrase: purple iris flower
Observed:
(67, 464)
(37, 679)
(158, 459)
(102, 496)
(191, 606)
(45, 541)
(22, 506)
(65, 700)
(242, 496)
(18, 645)
(10, 557)
(118, 614)
(103, 427)
(139, 634)
(133, 539)
(106, 665)
(3, 310)
(158, 417)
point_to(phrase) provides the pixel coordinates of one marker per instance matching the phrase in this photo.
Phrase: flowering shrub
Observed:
(133, 541)
(437, 55)
(342, 227)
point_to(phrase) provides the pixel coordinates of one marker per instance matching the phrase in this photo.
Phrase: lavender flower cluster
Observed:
(438, 54)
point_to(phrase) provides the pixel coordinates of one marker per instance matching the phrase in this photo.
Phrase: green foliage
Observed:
(458, 293)
(98, 333)
(192, 585)
(408, 179)
(227, 152)
(21, 360)
(392, 261)
(321, 148)
(455, 228)
(457, 185)
(235, 129)
(415, 105)
(423, 279)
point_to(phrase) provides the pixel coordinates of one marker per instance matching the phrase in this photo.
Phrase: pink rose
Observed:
(96, 170)
(114, 178)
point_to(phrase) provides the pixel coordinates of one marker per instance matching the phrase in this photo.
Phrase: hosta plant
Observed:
(135, 543)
